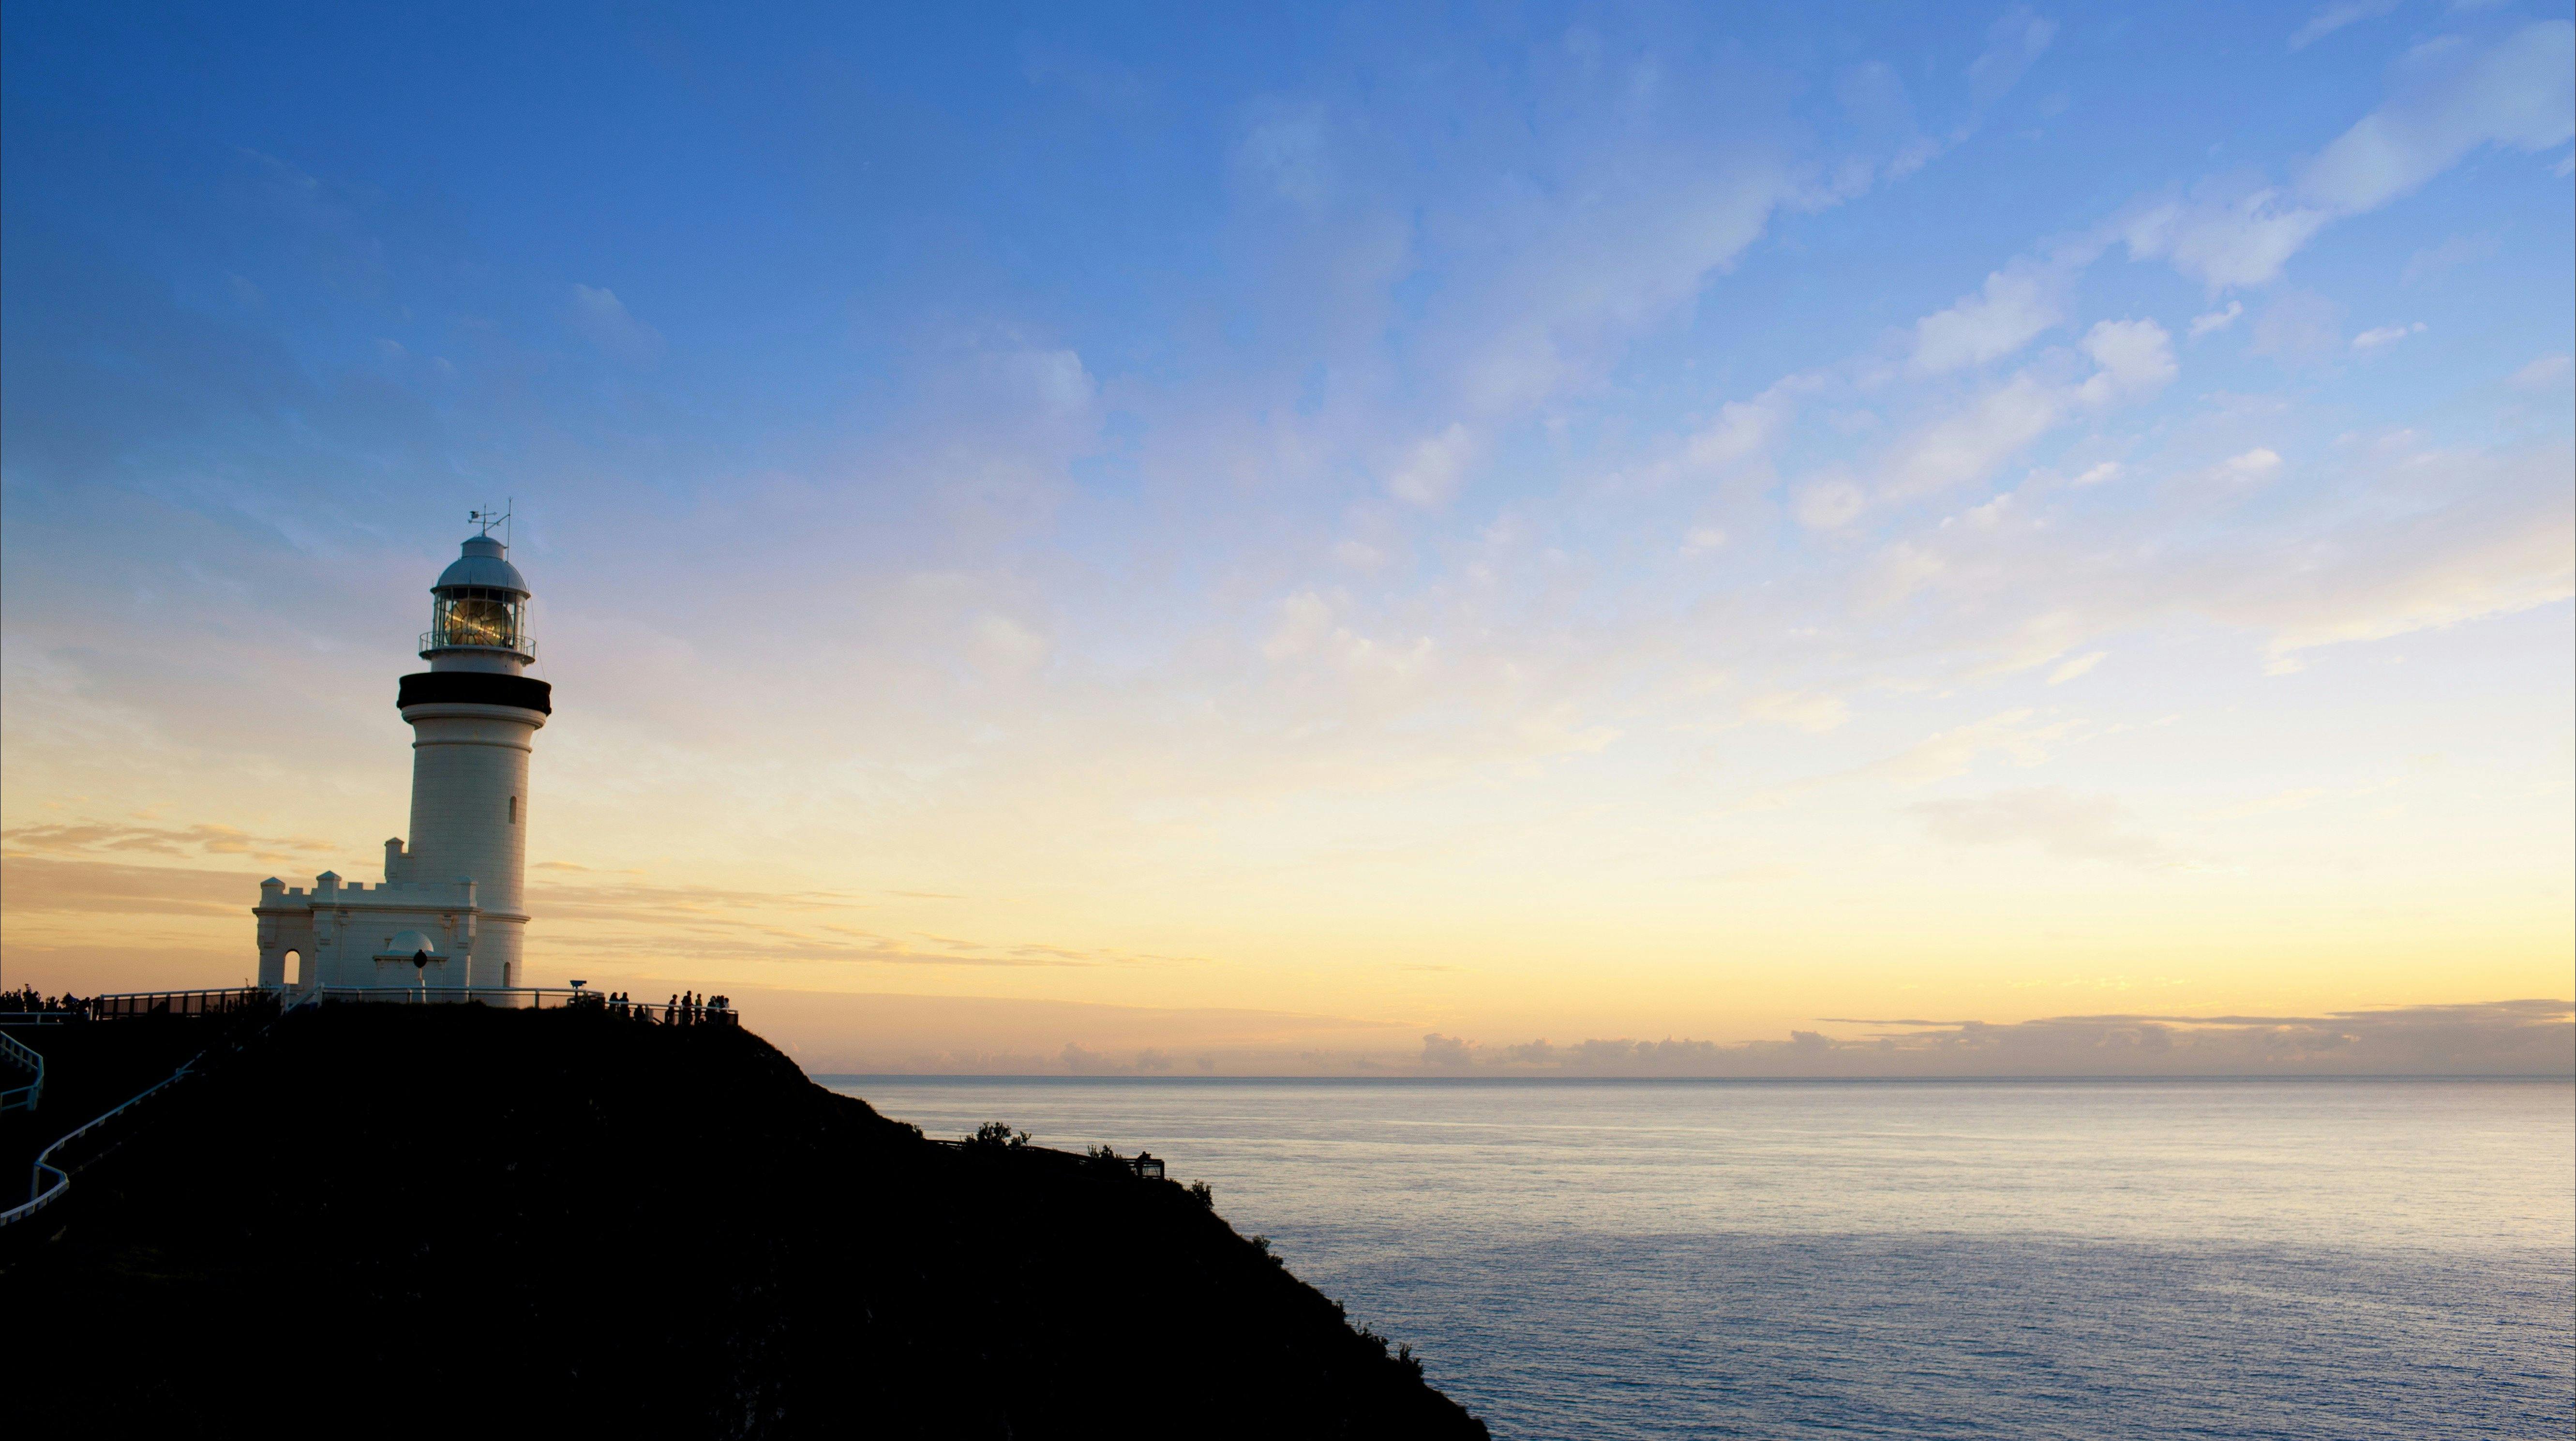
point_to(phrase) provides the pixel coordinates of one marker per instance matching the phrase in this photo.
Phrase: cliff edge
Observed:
(450, 1219)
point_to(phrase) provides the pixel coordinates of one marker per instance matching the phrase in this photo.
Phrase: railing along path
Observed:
(62, 1179)
(142, 1003)
(22, 1097)
(226, 1002)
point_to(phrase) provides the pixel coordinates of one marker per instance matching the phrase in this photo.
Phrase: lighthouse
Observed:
(451, 914)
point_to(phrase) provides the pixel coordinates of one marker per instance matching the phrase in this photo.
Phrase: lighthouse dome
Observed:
(484, 564)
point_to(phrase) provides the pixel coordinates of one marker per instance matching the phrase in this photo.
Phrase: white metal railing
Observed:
(522, 646)
(43, 1194)
(521, 997)
(190, 1003)
(26, 1096)
(139, 1003)
(705, 1010)
(177, 1003)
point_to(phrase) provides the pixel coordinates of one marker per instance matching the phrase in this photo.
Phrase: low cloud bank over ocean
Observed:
(2498, 1038)
(862, 1034)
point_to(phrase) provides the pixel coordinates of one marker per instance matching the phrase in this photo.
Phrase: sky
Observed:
(1469, 540)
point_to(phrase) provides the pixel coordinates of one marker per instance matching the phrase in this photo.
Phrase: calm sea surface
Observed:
(2014, 1259)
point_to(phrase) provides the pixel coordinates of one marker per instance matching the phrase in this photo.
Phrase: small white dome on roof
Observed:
(484, 564)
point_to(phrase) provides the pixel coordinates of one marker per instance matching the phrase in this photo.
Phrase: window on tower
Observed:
(514, 810)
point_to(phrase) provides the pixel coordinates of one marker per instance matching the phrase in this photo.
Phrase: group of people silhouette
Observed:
(28, 1001)
(687, 1008)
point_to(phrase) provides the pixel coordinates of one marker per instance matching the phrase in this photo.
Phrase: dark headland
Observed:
(453, 1220)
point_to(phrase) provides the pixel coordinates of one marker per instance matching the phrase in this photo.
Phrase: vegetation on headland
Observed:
(451, 1220)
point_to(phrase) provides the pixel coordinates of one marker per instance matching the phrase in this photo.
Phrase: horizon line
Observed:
(820, 1077)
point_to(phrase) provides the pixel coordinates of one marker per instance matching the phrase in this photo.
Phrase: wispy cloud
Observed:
(46, 885)
(599, 317)
(2450, 99)
(1939, 757)
(2334, 17)
(2056, 821)
(65, 838)
(2013, 43)
(2013, 306)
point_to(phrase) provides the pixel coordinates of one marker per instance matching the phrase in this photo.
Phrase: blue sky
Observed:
(1650, 520)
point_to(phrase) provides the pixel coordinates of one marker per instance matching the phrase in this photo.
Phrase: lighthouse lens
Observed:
(472, 619)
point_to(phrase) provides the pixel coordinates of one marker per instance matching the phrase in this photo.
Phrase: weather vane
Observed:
(487, 518)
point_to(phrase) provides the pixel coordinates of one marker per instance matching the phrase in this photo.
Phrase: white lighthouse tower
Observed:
(451, 916)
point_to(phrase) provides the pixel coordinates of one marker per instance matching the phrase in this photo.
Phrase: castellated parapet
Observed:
(345, 934)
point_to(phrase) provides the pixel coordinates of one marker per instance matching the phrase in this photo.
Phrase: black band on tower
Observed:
(475, 687)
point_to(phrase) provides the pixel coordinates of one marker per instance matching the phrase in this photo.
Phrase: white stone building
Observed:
(455, 895)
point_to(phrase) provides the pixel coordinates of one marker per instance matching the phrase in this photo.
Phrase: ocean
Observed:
(1656, 1259)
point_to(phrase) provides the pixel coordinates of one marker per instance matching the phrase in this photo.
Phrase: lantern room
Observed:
(480, 604)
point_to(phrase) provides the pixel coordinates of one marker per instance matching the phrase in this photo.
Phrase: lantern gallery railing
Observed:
(523, 646)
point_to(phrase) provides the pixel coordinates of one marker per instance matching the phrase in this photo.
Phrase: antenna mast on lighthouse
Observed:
(488, 518)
